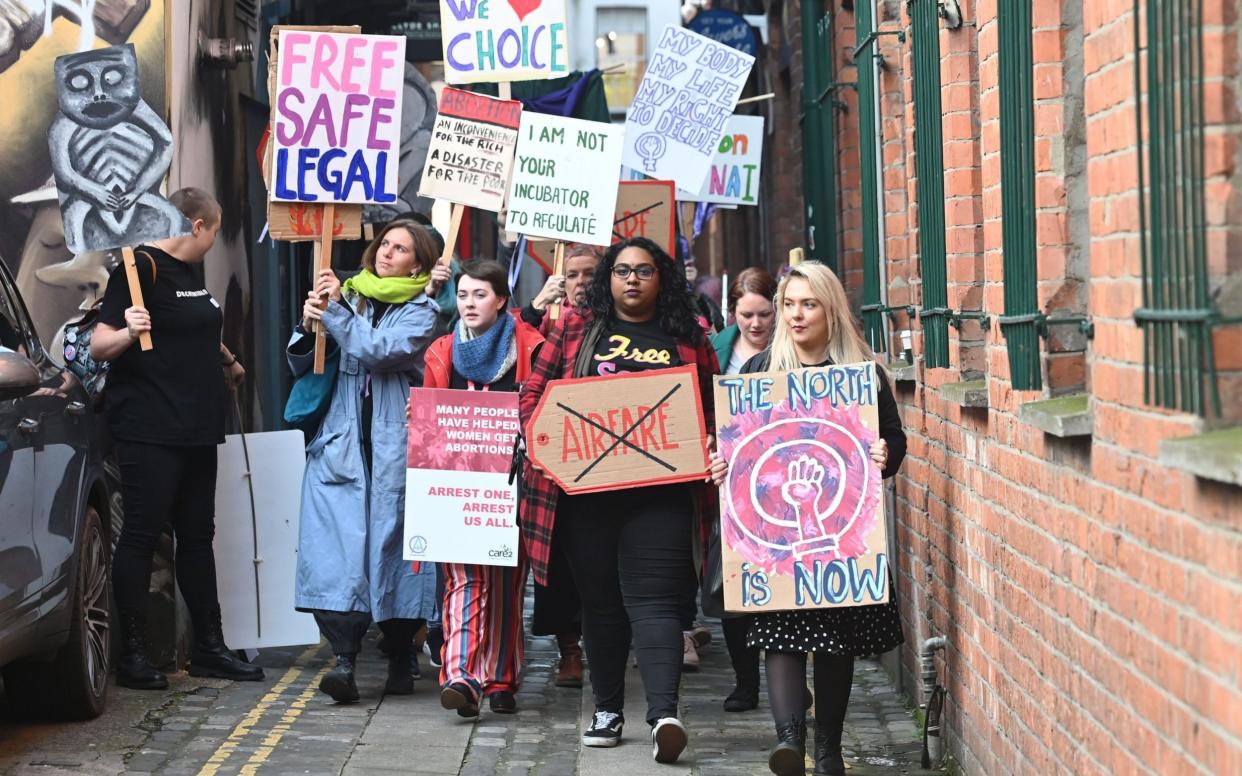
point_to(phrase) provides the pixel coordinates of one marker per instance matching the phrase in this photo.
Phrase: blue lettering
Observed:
(873, 582)
(330, 180)
(807, 583)
(306, 163)
(381, 179)
(463, 9)
(457, 64)
(836, 582)
(358, 173)
(283, 192)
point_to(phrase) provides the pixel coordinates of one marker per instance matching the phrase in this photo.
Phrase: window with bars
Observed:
(929, 166)
(819, 142)
(1177, 316)
(1021, 321)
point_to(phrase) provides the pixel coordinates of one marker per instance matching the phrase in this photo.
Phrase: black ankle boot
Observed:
(400, 675)
(828, 759)
(789, 756)
(210, 656)
(339, 682)
(134, 670)
(745, 695)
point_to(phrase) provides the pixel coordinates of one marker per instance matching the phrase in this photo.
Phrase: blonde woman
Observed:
(814, 328)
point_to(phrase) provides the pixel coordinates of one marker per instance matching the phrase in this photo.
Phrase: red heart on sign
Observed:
(523, 7)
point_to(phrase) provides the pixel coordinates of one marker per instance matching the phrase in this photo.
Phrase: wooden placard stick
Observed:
(135, 292)
(450, 239)
(324, 262)
(558, 268)
(504, 90)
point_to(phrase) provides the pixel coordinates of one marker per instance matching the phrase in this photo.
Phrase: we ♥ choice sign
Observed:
(503, 40)
(337, 128)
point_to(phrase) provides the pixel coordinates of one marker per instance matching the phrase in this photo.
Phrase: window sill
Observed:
(1216, 455)
(969, 394)
(901, 371)
(1065, 416)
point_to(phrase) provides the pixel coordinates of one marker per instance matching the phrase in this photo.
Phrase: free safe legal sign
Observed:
(337, 128)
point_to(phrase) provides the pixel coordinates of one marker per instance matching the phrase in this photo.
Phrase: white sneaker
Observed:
(689, 653)
(668, 740)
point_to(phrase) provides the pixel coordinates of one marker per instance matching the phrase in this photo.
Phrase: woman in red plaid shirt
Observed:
(629, 550)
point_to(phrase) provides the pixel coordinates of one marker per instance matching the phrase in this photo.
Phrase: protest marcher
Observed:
(166, 411)
(350, 569)
(489, 350)
(814, 328)
(628, 549)
(579, 266)
(558, 608)
(754, 316)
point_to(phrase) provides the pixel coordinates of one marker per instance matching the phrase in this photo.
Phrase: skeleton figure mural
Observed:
(109, 151)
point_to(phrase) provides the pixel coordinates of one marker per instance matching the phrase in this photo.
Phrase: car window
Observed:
(13, 323)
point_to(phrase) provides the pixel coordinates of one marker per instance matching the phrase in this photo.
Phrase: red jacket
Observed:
(557, 360)
(438, 360)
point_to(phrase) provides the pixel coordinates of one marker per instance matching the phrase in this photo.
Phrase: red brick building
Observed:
(1054, 189)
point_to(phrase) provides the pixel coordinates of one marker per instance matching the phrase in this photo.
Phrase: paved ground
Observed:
(285, 726)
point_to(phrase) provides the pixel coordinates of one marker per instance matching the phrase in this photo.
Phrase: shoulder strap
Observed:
(154, 272)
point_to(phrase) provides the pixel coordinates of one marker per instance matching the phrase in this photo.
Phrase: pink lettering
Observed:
(290, 56)
(325, 52)
(383, 57)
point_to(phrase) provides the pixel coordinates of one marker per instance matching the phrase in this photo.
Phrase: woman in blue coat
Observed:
(350, 569)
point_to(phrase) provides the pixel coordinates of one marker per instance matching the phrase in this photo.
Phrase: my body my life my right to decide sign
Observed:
(802, 509)
(459, 505)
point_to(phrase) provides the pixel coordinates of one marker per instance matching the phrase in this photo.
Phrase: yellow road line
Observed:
(243, 728)
(286, 722)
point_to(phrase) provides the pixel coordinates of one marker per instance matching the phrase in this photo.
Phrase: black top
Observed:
(533, 316)
(634, 347)
(173, 394)
(506, 382)
(891, 430)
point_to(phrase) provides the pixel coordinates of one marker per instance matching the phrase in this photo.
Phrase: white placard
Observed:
(461, 517)
(682, 107)
(503, 40)
(471, 154)
(259, 612)
(733, 178)
(565, 179)
(336, 124)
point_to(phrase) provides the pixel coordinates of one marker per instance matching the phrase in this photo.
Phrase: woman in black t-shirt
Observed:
(166, 411)
(630, 550)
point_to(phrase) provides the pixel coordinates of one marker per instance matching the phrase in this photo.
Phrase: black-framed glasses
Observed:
(643, 271)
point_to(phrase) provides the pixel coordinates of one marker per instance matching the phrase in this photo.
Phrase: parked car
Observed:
(54, 544)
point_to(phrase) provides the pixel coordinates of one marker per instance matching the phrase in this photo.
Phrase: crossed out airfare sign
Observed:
(607, 433)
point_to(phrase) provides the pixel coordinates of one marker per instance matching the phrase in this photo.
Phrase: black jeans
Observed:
(629, 551)
(558, 609)
(345, 631)
(163, 484)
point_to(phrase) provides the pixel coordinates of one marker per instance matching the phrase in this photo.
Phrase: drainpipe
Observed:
(933, 703)
(930, 647)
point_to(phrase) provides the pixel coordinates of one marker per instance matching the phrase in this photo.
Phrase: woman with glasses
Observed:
(629, 550)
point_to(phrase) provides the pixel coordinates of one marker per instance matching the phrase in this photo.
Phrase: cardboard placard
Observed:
(256, 544)
(110, 152)
(733, 178)
(336, 131)
(622, 431)
(565, 177)
(518, 40)
(644, 209)
(802, 509)
(471, 154)
(682, 107)
(459, 504)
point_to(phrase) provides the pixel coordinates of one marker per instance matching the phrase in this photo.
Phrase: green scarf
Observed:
(396, 290)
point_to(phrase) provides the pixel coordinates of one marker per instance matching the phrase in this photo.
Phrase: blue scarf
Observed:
(486, 358)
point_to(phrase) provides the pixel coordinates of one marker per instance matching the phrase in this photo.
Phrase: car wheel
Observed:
(75, 684)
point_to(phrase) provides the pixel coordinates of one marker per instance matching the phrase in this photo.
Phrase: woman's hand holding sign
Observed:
(879, 453)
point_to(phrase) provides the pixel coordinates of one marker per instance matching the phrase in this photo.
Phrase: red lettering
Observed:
(664, 443)
(647, 430)
(597, 436)
(568, 434)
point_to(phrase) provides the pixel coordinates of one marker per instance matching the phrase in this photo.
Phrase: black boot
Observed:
(134, 670)
(828, 759)
(745, 660)
(789, 756)
(339, 682)
(210, 656)
(400, 675)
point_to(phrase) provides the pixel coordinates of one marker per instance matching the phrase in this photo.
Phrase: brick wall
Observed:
(1091, 596)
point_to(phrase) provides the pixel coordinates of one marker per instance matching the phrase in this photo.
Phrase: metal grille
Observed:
(1021, 322)
(929, 164)
(1176, 316)
(247, 12)
(873, 305)
(819, 141)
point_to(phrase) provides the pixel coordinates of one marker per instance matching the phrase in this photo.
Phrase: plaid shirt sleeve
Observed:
(539, 493)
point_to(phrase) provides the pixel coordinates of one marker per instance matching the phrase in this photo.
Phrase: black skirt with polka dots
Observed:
(855, 631)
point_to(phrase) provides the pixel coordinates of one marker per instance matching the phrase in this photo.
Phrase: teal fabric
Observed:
(723, 344)
(312, 394)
